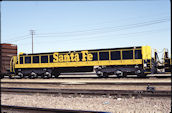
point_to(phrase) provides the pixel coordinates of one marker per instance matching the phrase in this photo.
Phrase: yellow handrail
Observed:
(11, 64)
(14, 62)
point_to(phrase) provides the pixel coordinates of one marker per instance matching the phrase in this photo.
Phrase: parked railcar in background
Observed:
(111, 61)
(7, 51)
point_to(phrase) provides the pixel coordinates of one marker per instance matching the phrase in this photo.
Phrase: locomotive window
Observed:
(104, 55)
(95, 57)
(138, 54)
(21, 60)
(80, 56)
(115, 55)
(27, 60)
(51, 58)
(35, 59)
(127, 54)
(44, 59)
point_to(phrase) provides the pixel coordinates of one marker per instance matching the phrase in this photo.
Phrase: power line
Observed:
(142, 17)
(100, 34)
(105, 29)
(94, 37)
(97, 24)
(115, 27)
(17, 38)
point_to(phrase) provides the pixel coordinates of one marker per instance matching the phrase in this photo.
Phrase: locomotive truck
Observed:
(112, 61)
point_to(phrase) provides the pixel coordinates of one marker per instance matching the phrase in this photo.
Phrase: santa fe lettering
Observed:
(72, 57)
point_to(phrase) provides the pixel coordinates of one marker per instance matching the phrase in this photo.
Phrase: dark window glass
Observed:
(51, 58)
(80, 56)
(21, 60)
(138, 54)
(95, 57)
(35, 59)
(27, 60)
(127, 54)
(115, 55)
(44, 59)
(104, 55)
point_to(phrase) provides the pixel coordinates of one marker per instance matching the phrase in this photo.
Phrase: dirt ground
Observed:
(106, 104)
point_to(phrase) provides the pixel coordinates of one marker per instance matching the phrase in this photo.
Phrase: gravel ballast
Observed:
(108, 104)
(74, 81)
(96, 87)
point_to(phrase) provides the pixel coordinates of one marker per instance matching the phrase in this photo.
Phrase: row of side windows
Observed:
(115, 55)
(44, 59)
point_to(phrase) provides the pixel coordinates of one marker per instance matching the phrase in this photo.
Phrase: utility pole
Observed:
(32, 33)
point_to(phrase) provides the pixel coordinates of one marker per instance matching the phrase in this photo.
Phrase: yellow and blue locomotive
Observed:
(111, 61)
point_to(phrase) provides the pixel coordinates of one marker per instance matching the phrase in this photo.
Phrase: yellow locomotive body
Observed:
(128, 60)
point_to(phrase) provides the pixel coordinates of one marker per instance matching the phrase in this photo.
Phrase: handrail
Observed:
(11, 64)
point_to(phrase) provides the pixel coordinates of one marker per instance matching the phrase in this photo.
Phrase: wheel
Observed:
(118, 75)
(99, 74)
(124, 74)
(20, 74)
(1, 76)
(105, 75)
(142, 75)
(47, 75)
(56, 75)
(42, 76)
(33, 75)
(11, 76)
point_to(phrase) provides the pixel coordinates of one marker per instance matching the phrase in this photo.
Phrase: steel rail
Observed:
(90, 83)
(22, 109)
(156, 93)
(95, 77)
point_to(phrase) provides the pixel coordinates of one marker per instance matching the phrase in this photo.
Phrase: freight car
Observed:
(7, 51)
(112, 61)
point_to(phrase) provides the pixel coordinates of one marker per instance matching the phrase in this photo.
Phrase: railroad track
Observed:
(94, 76)
(78, 92)
(22, 109)
(109, 81)
(89, 83)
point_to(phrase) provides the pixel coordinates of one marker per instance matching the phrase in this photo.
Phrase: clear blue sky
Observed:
(76, 25)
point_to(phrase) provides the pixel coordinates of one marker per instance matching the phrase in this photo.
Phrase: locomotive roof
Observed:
(86, 50)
